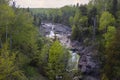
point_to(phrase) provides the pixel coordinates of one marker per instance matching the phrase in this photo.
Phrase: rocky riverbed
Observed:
(88, 63)
(60, 31)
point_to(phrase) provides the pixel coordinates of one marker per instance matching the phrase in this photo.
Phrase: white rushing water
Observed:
(52, 34)
(73, 61)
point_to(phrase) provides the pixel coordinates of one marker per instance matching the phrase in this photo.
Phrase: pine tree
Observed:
(57, 60)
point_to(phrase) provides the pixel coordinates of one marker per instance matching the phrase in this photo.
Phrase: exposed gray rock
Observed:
(90, 78)
(89, 64)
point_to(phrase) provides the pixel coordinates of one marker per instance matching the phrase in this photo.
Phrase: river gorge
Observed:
(82, 58)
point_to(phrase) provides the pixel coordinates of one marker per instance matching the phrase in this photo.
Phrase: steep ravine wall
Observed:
(89, 62)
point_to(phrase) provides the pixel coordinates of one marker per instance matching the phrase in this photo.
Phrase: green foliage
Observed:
(31, 71)
(6, 18)
(113, 60)
(6, 13)
(101, 5)
(83, 10)
(71, 21)
(61, 15)
(92, 14)
(24, 36)
(16, 28)
(57, 60)
(83, 21)
(114, 7)
(28, 53)
(4, 2)
(79, 25)
(8, 68)
(104, 77)
(109, 35)
(42, 57)
(118, 18)
(76, 17)
(106, 20)
(22, 60)
(44, 54)
(37, 20)
(75, 33)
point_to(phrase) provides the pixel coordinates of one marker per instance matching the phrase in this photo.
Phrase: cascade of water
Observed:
(52, 34)
(73, 61)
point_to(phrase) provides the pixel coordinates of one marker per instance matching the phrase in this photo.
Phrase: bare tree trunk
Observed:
(6, 33)
(10, 41)
(94, 29)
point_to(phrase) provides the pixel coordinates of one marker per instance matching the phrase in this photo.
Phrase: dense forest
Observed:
(27, 55)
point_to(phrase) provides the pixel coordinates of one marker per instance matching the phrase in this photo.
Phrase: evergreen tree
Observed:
(109, 35)
(8, 68)
(106, 20)
(75, 33)
(57, 60)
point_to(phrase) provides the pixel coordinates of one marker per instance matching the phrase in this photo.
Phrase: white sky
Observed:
(47, 3)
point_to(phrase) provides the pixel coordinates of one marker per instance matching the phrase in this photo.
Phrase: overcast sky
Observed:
(48, 3)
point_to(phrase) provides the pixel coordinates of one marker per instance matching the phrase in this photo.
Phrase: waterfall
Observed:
(73, 61)
(52, 34)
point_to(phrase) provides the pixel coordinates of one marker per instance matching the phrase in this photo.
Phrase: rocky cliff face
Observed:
(89, 63)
